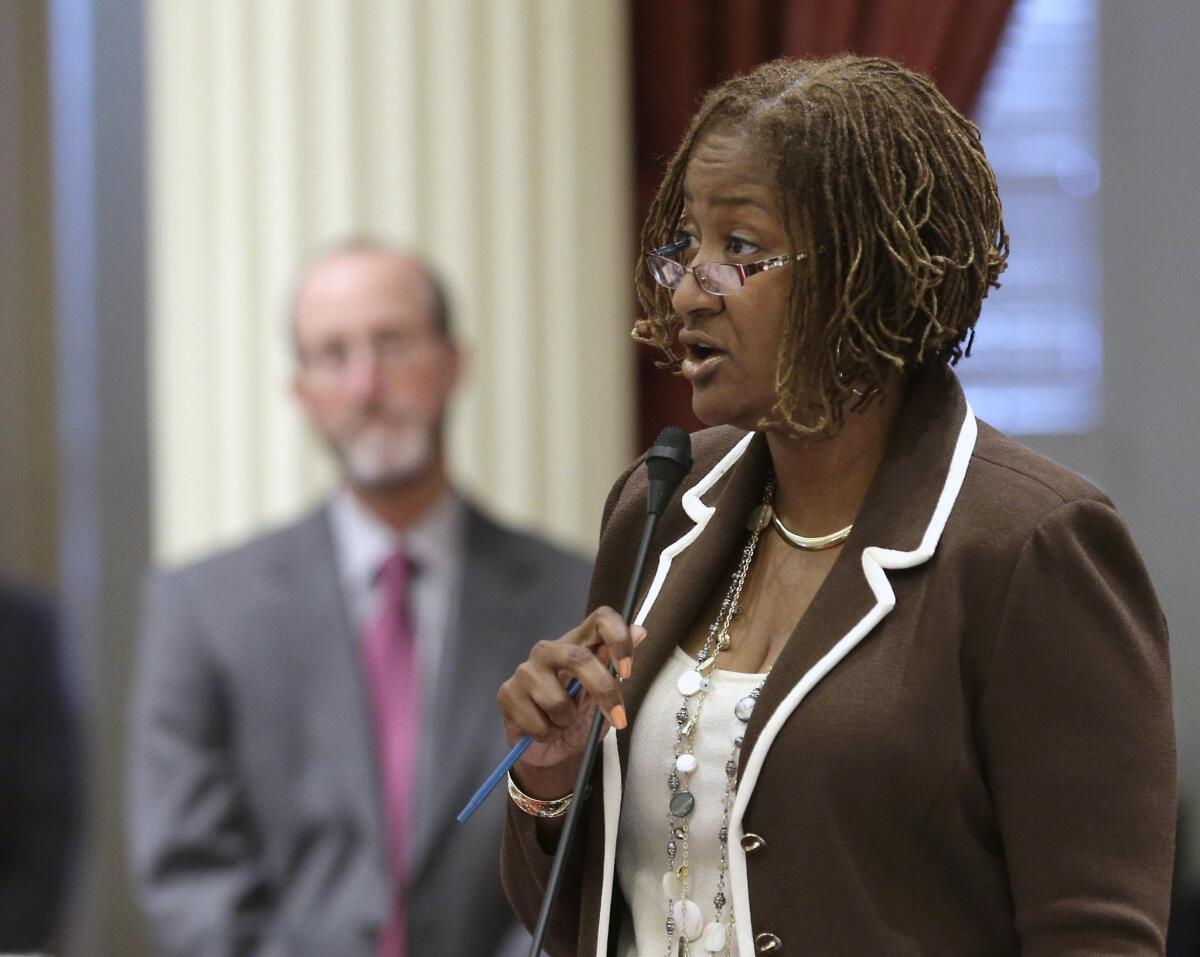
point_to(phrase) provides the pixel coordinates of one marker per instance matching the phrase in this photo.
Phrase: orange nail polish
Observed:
(625, 667)
(618, 717)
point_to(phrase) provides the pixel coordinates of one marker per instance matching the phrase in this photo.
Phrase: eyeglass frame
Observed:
(390, 350)
(744, 270)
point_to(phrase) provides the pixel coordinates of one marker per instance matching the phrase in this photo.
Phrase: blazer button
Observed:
(752, 842)
(768, 944)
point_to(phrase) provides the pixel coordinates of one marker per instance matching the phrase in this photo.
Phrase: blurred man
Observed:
(313, 709)
(38, 778)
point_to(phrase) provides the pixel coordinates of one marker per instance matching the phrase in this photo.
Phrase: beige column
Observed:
(493, 135)
(28, 454)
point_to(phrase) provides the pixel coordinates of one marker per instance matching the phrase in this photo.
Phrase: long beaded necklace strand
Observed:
(683, 914)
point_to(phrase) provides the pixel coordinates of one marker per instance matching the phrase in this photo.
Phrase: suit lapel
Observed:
(316, 622)
(459, 737)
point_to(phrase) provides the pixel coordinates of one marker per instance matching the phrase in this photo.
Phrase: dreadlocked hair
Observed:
(886, 187)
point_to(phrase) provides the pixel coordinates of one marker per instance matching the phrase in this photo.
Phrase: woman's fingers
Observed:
(553, 658)
(535, 701)
(523, 716)
(613, 635)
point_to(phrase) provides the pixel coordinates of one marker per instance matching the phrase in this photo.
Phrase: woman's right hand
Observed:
(534, 701)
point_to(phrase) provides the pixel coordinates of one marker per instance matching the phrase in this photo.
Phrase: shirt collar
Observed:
(363, 541)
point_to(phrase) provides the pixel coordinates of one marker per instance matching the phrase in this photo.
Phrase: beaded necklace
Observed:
(684, 916)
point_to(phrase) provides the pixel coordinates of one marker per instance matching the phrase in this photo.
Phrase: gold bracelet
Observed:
(534, 806)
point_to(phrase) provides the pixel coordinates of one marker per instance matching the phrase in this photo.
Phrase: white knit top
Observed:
(645, 823)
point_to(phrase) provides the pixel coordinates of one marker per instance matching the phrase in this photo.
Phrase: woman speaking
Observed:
(900, 686)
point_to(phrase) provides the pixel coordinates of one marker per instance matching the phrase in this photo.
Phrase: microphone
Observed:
(667, 462)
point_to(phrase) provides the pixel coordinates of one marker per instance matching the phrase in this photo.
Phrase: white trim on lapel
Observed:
(876, 563)
(699, 513)
(612, 821)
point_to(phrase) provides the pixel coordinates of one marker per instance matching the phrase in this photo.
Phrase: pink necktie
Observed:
(391, 673)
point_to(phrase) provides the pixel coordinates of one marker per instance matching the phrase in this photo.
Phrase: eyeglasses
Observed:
(392, 350)
(719, 279)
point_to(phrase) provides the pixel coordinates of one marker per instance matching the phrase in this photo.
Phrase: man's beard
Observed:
(379, 454)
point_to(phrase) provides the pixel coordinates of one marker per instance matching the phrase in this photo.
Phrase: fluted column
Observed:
(493, 135)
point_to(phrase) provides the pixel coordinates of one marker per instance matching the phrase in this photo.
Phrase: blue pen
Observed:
(505, 766)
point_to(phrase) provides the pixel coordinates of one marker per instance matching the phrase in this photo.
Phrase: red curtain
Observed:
(682, 47)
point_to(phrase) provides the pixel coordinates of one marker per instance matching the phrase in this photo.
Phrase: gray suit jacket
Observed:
(254, 809)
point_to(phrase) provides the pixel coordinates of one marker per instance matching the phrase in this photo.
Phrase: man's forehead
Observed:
(358, 270)
(363, 284)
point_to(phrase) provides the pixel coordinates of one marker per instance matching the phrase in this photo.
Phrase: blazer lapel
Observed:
(697, 566)
(898, 511)
(903, 513)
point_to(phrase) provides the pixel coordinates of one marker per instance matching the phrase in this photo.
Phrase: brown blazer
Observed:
(965, 748)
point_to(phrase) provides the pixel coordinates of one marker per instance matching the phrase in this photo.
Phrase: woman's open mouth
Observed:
(699, 360)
